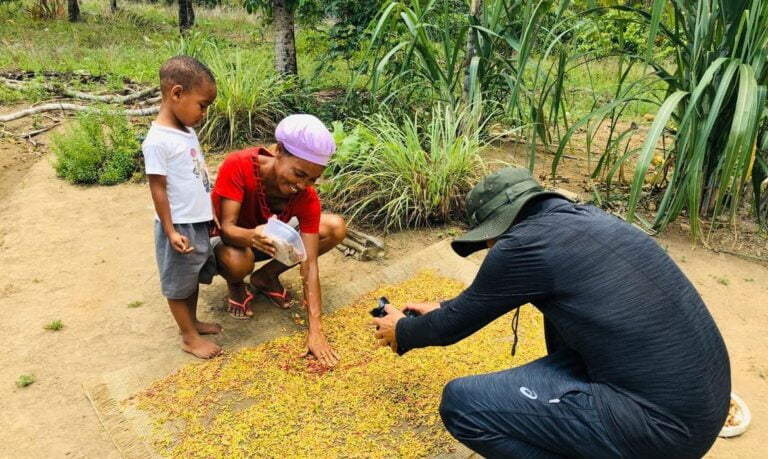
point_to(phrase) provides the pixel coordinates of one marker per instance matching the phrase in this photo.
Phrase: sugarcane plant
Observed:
(715, 107)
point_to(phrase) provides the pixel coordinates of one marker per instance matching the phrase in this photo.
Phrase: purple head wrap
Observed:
(306, 137)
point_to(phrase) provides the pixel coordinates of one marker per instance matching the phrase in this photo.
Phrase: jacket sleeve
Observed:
(511, 275)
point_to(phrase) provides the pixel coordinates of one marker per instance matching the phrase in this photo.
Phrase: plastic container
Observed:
(289, 248)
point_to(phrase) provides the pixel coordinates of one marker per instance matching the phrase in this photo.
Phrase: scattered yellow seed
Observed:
(264, 401)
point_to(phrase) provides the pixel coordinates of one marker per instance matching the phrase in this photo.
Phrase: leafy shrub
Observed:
(88, 153)
(616, 31)
(402, 173)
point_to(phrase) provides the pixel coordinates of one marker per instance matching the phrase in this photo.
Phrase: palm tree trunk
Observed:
(285, 41)
(186, 15)
(474, 10)
(74, 10)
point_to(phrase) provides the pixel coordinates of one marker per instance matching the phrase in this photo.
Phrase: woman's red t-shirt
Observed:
(237, 181)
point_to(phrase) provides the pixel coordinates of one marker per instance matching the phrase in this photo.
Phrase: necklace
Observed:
(261, 196)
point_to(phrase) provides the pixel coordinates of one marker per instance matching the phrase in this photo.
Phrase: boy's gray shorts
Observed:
(180, 273)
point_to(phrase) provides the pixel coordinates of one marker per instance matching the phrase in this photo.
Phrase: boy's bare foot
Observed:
(199, 347)
(205, 328)
(272, 288)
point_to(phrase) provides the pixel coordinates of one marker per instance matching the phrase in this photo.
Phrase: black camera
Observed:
(379, 311)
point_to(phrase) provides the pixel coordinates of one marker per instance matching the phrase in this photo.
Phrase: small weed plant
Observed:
(54, 325)
(25, 380)
(723, 281)
(101, 148)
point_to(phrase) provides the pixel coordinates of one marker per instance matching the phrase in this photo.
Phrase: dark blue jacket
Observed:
(658, 365)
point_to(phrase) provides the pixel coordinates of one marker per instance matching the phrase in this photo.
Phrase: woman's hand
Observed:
(262, 242)
(318, 346)
(386, 327)
(421, 308)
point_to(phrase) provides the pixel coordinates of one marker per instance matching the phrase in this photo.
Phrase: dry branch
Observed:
(29, 135)
(150, 101)
(361, 246)
(110, 98)
(72, 107)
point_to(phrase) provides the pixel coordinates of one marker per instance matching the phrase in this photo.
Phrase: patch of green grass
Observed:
(136, 36)
(602, 77)
(140, 35)
(749, 279)
(723, 281)
(450, 233)
(135, 304)
(32, 91)
(55, 325)
(25, 380)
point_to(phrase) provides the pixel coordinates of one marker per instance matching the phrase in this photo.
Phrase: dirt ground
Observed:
(82, 255)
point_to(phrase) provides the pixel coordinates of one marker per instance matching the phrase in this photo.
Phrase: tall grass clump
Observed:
(101, 148)
(251, 97)
(193, 44)
(250, 100)
(406, 172)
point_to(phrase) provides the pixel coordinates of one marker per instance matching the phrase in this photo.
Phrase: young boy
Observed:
(178, 180)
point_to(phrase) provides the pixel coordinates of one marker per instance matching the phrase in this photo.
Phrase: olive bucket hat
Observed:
(493, 205)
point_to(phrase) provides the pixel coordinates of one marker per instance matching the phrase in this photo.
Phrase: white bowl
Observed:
(289, 248)
(744, 417)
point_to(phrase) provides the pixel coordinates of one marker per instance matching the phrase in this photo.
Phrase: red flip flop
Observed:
(241, 306)
(272, 296)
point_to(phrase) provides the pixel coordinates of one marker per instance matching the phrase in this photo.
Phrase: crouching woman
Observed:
(255, 184)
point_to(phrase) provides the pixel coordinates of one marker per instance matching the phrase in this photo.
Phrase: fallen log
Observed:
(110, 98)
(29, 135)
(152, 100)
(361, 246)
(76, 108)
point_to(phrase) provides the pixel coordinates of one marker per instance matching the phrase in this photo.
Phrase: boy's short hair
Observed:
(185, 71)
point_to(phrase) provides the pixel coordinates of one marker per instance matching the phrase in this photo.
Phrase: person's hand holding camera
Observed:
(386, 327)
(421, 308)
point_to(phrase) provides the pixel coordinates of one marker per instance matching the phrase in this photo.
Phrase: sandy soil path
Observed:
(81, 255)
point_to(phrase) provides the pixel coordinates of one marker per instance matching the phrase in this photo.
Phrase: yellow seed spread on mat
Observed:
(265, 401)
